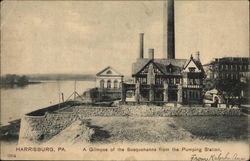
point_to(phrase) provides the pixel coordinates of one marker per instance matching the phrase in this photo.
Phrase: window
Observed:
(144, 80)
(191, 69)
(184, 95)
(115, 84)
(171, 80)
(236, 76)
(191, 81)
(158, 81)
(177, 80)
(102, 83)
(197, 94)
(109, 84)
(197, 81)
(222, 75)
(190, 94)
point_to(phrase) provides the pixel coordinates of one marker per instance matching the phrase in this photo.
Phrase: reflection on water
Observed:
(10, 86)
(15, 102)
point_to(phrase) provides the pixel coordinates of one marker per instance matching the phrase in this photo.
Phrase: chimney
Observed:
(151, 53)
(141, 45)
(197, 55)
(168, 30)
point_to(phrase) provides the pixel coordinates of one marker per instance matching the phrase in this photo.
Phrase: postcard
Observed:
(125, 80)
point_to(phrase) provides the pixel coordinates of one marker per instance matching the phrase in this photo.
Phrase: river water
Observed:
(15, 102)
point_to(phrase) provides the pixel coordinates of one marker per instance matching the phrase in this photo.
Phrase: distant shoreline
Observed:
(34, 82)
(13, 85)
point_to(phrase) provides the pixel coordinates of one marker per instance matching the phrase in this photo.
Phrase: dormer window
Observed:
(170, 68)
(191, 69)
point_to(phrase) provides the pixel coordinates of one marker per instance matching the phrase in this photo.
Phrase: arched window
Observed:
(109, 84)
(102, 83)
(115, 84)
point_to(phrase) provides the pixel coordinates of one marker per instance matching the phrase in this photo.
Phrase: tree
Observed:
(230, 90)
(10, 79)
(22, 80)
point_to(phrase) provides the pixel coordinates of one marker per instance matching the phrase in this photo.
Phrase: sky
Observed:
(83, 37)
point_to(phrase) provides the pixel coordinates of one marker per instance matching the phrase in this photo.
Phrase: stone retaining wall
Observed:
(158, 111)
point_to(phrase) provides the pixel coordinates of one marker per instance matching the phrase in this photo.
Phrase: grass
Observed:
(158, 129)
(139, 129)
(218, 128)
(166, 129)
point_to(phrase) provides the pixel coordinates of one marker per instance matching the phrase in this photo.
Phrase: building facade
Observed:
(165, 81)
(109, 78)
(234, 69)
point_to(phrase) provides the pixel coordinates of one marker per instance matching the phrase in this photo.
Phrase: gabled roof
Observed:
(196, 62)
(162, 64)
(109, 71)
(151, 61)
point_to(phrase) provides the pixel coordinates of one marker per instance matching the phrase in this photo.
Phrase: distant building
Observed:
(109, 78)
(230, 68)
(235, 68)
(108, 86)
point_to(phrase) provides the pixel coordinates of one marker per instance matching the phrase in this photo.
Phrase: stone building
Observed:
(109, 78)
(166, 80)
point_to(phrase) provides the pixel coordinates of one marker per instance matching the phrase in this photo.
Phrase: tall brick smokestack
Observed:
(141, 45)
(168, 30)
